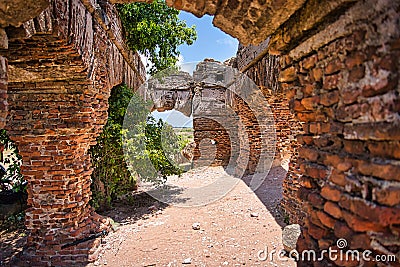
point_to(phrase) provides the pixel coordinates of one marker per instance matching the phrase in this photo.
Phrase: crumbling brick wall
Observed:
(343, 85)
(61, 68)
(264, 70)
(340, 71)
(213, 145)
(3, 91)
(235, 130)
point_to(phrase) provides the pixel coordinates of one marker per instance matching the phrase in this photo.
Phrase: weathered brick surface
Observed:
(345, 91)
(265, 71)
(228, 131)
(61, 71)
(339, 73)
(3, 91)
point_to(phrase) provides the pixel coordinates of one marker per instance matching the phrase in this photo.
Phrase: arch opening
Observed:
(338, 146)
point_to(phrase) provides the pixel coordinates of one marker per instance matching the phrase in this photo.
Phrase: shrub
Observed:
(151, 146)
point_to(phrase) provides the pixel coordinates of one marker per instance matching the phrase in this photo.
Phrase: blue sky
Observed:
(211, 43)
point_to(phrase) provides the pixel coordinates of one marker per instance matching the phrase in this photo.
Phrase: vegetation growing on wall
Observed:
(156, 32)
(11, 179)
(111, 176)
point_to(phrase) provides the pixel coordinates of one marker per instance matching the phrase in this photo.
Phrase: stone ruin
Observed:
(338, 74)
(57, 73)
(231, 129)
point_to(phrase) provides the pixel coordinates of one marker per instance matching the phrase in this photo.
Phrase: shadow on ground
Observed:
(13, 237)
(136, 206)
(270, 192)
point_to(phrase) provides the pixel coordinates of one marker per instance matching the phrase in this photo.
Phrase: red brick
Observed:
(361, 225)
(338, 178)
(389, 216)
(342, 230)
(314, 171)
(356, 73)
(360, 241)
(332, 160)
(313, 217)
(288, 75)
(296, 105)
(326, 220)
(325, 243)
(385, 149)
(333, 66)
(310, 103)
(331, 82)
(306, 117)
(384, 171)
(330, 193)
(317, 232)
(328, 99)
(316, 200)
(355, 59)
(289, 90)
(309, 62)
(306, 182)
(333, 210)
(354, 147)
(305, 139)
(308, 153)
(387, 62)
(308, 89)
(316, 75)
(371, 211)
(387, 196)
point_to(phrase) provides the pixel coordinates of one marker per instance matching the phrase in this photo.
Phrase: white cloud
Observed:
(186, 66)
(227, 41)
(181, 60)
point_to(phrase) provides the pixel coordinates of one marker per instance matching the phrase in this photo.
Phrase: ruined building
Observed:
(338, 74)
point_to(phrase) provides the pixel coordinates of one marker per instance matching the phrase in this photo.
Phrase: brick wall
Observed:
(343, 85)
(3, 79)
(264, 70)
(3, 91)
(233, 126)
(62, 66)
(339, 72)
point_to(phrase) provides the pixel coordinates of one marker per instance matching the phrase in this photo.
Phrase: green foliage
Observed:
(151, 147)
(111, 177)
(155, 31)
(145, 143)
(183, 141)
(14, 222)
(163, 147)
(13, 178)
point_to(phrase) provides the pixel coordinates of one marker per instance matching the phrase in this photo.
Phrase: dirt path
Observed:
(232, 230)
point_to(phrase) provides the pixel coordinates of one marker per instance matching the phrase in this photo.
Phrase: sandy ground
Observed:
(235, 230)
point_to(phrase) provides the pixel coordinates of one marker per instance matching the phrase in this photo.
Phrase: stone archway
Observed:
(61, 68)
(339, 63)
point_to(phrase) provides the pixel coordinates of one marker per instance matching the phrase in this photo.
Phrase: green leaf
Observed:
(155, 31)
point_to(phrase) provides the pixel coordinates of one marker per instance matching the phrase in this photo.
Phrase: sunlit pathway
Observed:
(232, 231)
